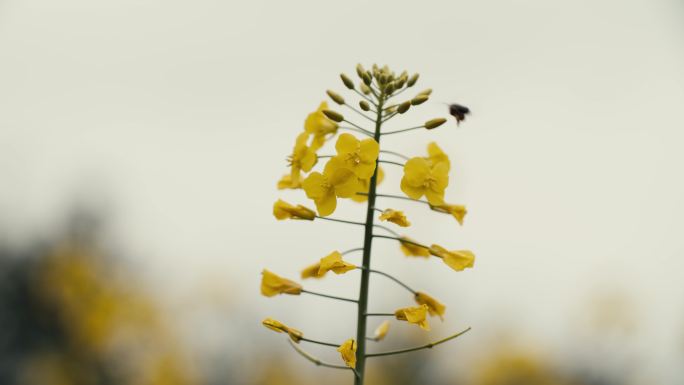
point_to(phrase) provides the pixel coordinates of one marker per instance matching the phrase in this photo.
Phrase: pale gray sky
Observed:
(176, 116)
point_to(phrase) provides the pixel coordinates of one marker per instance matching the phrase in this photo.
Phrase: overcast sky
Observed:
(175, 118)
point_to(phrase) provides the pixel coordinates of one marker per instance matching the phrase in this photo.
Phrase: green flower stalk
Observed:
(353, 172)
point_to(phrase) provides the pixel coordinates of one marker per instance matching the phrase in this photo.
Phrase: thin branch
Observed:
(427, 346)
(405, 286)
(357, 126)
(319, 342)
(395, 154)
(380, 314)
(390, 162)
(390, 116)
(352, 250)
(316, 360)
(359, 112)
(366, 97)
(357, 130)
(402, 130)
(340, 220)
(402, 240)
(329, 296)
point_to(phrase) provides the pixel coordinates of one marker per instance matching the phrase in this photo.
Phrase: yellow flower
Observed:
(286, 182)
(456, 259)
(435, 308)
(412, 250)
(272, 324)
(319, 126)
(348, 352)
(436, 155)
(365, 186)
(283, 210)
(381, 331)
(423, 178)
(414, 315)
(303, 158)
(324, 189)
(396, 217)
(272, 284)
(457, 211)
(334, 262)
(358, 156)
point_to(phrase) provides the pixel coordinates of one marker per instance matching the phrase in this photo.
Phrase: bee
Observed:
(458, 111)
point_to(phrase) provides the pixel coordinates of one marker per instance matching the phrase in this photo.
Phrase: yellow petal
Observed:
(414, 192)
(272, 284)
(346, 143)
(369, 150)
(315, 185)
(395, 216)
(311, 271)
(286, 182)
(414, 315)
(435, 308)
(460, 259)
(434, 198)
(436, 155)
(334, 262)
(412, 250)
(348, 352)
(416, 170)
(326, 204)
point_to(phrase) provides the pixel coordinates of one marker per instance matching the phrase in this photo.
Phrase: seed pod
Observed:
(360, 70)
(335, 97)
(364, 88)
(347, 82)
(412, 80)
(420, 99)
(403, 107)
(426, 92)
(334, 116)
(364, 105)
(430, 124)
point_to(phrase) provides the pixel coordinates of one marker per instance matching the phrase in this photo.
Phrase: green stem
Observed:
(427, 346)
(402, 130)
(365, 273)
(405, 286)
(314, 359)
(319, 342)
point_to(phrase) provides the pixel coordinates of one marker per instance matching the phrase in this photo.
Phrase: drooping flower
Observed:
(359, 156)
(334, 262)
(335, 181)
(348, 352)
(283, 210)
(381, 331)
(396, 217)
(456, 259)
(311, 271)
(436, 155)
(286, 182)
(364, 184)
(435, 308)
(423, 178)
(303, 158)
(279, 327)
(272, 284)
(457, 211)
(415, 315)
(411, 249)
(320, 127)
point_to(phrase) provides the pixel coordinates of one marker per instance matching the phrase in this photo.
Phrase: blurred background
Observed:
(141, 142)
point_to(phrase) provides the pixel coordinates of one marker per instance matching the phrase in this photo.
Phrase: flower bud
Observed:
(336, 116)
(389, 88)
(364, 105)
(347, 82)
(399, 83)
(426, 92)
(390, 109)
(365, 89)
(430, 124)
(367, 78)
(403, 107)
(420, 99)
(360, 70)
(412, 80)
(335, 97)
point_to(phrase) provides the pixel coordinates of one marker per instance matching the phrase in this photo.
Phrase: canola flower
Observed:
(350, 175)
